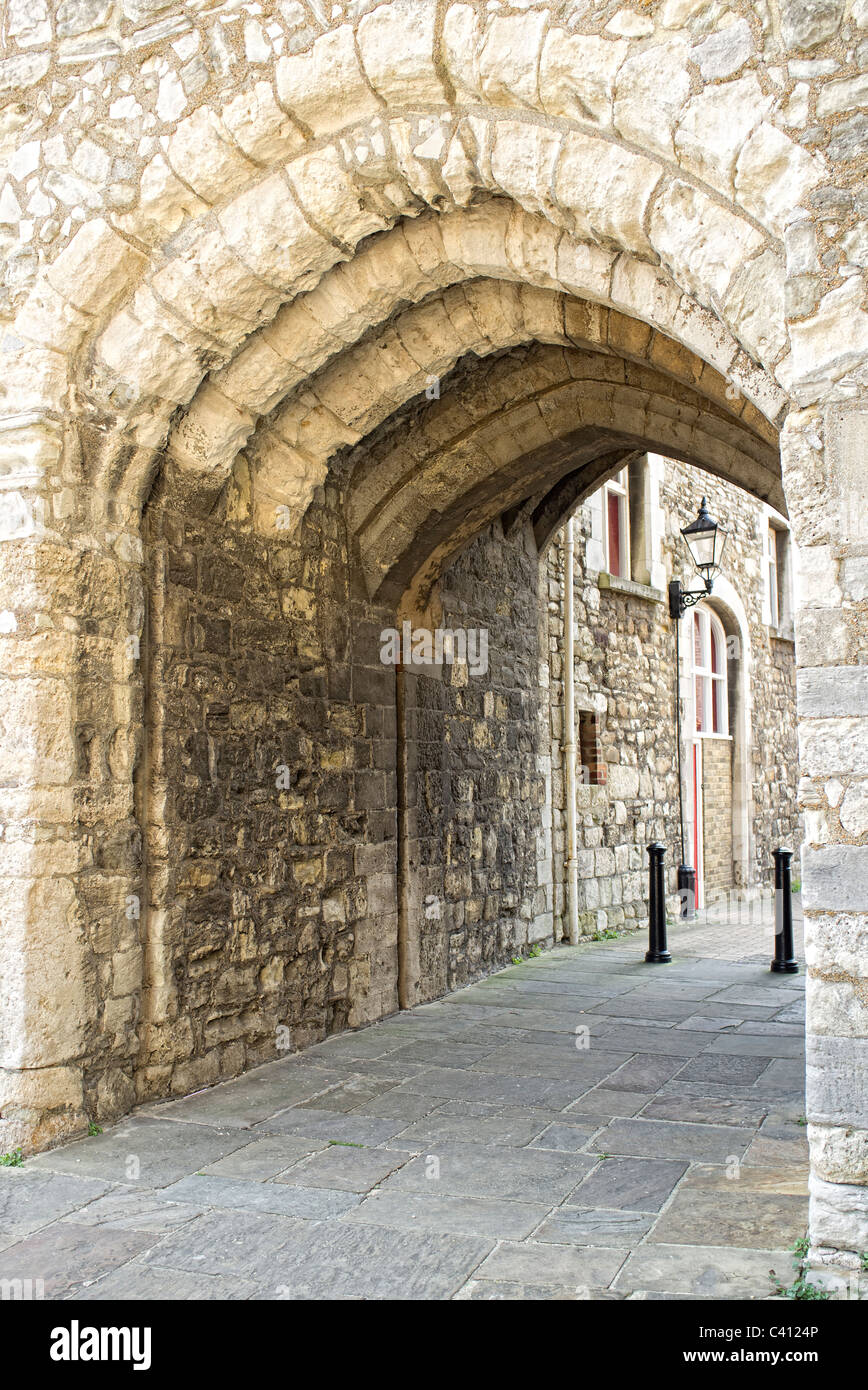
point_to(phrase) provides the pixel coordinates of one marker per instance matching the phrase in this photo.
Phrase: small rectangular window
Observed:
(616, 523)
(591, 750)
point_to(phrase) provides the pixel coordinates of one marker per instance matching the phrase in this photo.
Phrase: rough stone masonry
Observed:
(296, 306)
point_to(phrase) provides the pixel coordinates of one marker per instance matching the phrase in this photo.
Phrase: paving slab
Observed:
(450, 1214)
(644, 1072)
(756, 994)
(142, 1151)
(147, 1282)
(630, 1184)
(491, 1290)
(738, 1071)
(671, 1139)
(344, 1167)
(125, 1209)
(343, 1260)
(30, 1199)
(64, 1255)
(581, 1065)
(261, 1159)
(240, 1104)
(466, 1149)
(537, 1262)
(237, 1244)
(398, 1104)
(705, 1110)
(709, 1023)
(501, 1087)
(733, 1216)
(662, 1041)
(709, 1271)
(477, 1170)
(769, 1151)
(332, 1126)
(579, 1226)
(786, 1179)
(353, 1094)
(757, 1045)
(606, 1103)
(513, 1129)
(237, 1194)
(566, 1137)
(443, 1054)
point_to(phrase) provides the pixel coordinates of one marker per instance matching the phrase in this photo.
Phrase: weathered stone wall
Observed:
(272, 791)
(271, 797)
(625, 668)
(478, 794)
(181, 180)
(762, 659)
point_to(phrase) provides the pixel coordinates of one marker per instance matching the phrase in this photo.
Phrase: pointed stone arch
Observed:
(625, 156)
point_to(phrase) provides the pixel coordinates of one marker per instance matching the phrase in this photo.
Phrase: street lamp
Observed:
(705, 539)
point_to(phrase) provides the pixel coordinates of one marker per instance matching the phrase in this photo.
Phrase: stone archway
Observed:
(153, 338)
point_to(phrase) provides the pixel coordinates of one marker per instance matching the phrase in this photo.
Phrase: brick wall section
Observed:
(717, 815)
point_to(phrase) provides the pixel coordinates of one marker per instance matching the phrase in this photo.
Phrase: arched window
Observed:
(709, 673)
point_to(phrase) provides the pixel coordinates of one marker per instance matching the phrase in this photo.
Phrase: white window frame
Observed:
(708, 623)
(619, 488)
(777, 572)
(773, 577)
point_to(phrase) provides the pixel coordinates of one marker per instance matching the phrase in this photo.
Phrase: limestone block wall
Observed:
(624, 671)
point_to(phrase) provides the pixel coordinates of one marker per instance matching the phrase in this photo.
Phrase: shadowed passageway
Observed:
(466, 1149)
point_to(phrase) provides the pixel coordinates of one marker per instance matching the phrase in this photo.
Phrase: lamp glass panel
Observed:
(702, 547)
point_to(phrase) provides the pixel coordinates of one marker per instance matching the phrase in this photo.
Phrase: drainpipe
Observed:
(570, 736)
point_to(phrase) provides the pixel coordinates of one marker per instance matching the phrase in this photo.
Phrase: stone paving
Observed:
(469, 1149)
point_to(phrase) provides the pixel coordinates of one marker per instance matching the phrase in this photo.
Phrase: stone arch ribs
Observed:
(548, 512)
(511, 428)
(316, 370)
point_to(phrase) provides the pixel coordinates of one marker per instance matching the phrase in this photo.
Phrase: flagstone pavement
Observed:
(484, 1146)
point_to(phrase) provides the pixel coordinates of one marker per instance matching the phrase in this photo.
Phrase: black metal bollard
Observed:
(687, 892)
(785, 962)
(657, 952)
